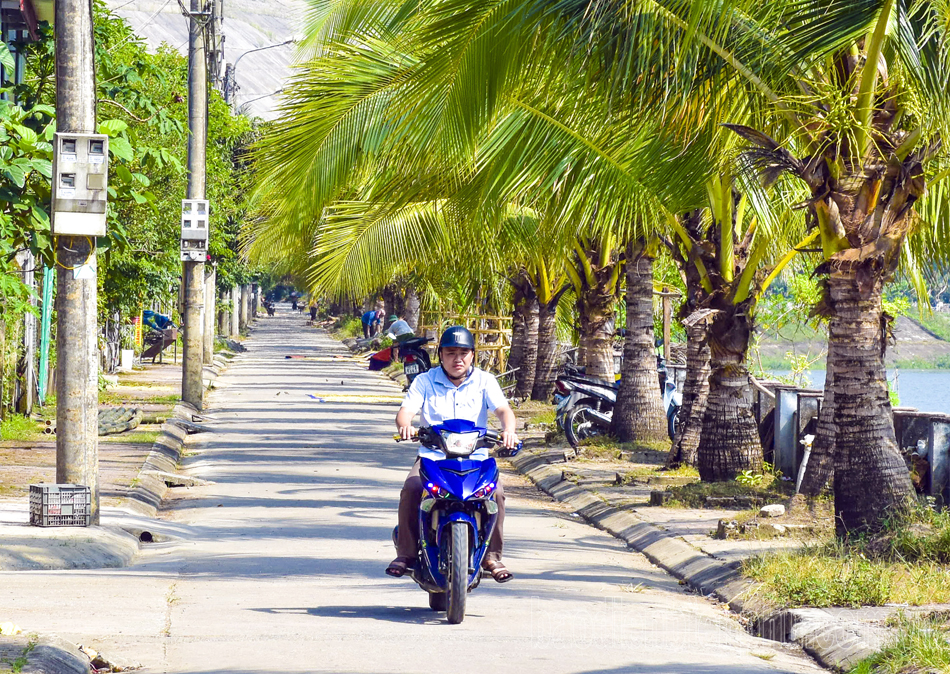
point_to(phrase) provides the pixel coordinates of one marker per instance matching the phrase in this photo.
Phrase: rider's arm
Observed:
(404, 422)
(411, 405)
(507, 419)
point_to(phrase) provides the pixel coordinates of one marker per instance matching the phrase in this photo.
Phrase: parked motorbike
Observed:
(584, 408)
(457, 513)
(414, 357)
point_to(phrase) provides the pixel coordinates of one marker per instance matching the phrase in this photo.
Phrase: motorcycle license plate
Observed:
(412, 368)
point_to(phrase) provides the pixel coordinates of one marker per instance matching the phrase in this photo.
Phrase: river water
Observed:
(927, 390)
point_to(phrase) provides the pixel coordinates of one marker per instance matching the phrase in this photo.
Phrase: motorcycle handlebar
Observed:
(494, 436)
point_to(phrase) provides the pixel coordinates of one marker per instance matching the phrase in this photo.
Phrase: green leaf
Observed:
(29, 136)
(15, 175)
(112, 127)
(123, 173)
(6, 59)
(121, 148)
(44, 167)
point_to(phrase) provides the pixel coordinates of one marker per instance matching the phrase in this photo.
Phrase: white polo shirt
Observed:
(438, 399)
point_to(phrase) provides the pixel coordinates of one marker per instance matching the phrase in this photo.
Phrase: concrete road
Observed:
(278, 565)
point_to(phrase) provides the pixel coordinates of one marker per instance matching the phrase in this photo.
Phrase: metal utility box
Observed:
(195, 218)
(80, 184)
(60, 505)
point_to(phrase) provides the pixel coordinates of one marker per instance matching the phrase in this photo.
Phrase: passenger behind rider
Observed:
(455, 390)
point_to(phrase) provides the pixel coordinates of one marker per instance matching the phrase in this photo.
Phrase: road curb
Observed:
(150, 489)
(675, 556)
(833, 644)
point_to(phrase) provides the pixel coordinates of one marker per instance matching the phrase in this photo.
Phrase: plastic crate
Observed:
(60, 505)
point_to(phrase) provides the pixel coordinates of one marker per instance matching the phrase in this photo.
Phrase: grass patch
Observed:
(936, 324)
(19, 427)
(921, 645)
(768, 490)
(119, 397)
(644, 472)
(607, 448)
(908, 563)
(138, 437)
(547, 417)
(940, 362)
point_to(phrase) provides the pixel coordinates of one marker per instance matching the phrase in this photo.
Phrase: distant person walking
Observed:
(313, 311)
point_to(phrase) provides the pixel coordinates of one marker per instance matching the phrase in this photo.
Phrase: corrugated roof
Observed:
(248, 24)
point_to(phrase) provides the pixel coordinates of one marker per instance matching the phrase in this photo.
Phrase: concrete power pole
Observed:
(235, 312)
(245, 305)
(77, 362)
(193, 277)
(210, 316)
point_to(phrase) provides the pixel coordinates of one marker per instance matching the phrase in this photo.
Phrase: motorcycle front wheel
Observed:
(580, 426)
(458, 572)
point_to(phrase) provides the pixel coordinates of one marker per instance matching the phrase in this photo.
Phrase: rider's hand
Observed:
(405, 432)
(509, 439)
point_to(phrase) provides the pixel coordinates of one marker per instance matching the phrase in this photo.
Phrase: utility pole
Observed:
(26, 366)
(77, 362)
(193, 276)
(210, 316)
(235, 312)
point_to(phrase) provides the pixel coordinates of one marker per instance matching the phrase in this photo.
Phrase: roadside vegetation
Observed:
(908, 562)
(749, 491)
(922, 644)
(19, 427)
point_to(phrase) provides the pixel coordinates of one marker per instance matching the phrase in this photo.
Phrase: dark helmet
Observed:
(457, 336)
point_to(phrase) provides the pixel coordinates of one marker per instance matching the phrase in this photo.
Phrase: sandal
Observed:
(398, 567)
(498, 572)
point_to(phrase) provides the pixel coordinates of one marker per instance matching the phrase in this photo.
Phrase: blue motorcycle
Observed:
(457, 514)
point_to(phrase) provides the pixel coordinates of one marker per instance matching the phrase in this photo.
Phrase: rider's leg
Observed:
(496, 541)
(409, 499)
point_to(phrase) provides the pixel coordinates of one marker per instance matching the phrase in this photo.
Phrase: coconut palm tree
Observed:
(852, 99)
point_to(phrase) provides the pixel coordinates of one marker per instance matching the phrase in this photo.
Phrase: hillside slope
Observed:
(914, 347)
(248, 24)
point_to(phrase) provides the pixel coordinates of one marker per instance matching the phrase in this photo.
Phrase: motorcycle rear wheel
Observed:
(458, 573)
(579, 426)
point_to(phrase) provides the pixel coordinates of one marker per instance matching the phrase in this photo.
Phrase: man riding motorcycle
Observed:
(455, 390)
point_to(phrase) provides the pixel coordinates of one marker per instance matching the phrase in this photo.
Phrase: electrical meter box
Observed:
(194, 230)
(80, 184)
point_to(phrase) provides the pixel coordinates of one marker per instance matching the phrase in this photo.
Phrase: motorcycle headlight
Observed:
(484, 491)
(459, 444)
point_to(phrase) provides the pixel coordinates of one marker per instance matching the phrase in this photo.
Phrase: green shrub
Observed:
(18, 427)
(348, 326)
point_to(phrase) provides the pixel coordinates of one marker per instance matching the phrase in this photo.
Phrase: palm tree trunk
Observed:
(413, 308)
(821, 465)
(546, 366)
(730, 437)
(695, 395)
(596, 310)
(524, 338)
(518, 327)
(871, 479)
(638, 414)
